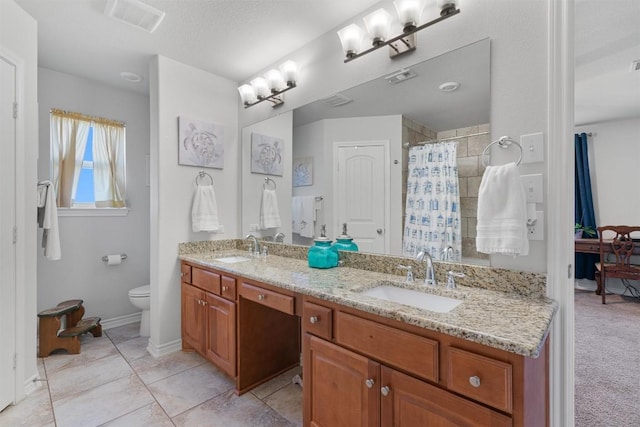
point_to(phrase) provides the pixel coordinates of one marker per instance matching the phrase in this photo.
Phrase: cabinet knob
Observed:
(385, 390)
(225, 288)
(370, 382)
(474, 381)
(261, 297)
(314, 319)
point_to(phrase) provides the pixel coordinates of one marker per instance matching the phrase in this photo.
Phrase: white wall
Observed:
(308, 141)
(277, 127)
(81, 273)
(519, 33)
(614, 156)
(180, 90)
(18, 35)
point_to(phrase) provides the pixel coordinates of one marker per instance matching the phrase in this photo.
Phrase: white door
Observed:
(361, 189)
(7, 224)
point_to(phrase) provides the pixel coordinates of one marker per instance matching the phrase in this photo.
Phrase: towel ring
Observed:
(201, 175)
(503, 142)
(266, 183)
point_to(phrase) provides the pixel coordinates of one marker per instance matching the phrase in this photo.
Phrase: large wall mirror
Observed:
(347, 154)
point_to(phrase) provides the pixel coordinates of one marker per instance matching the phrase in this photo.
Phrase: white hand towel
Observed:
(502, 212)
(269, 213)
(308, 218)
(204, 211)
(48, 220)
(296, 214)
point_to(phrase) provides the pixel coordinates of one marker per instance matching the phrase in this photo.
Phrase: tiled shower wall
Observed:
(472, 141)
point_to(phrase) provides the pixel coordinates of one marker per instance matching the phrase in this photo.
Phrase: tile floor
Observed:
(115, 382)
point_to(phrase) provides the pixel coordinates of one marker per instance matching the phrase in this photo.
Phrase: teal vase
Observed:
(322, 254)
(344, 242)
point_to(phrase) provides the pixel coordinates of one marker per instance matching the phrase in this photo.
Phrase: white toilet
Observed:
(140, 297)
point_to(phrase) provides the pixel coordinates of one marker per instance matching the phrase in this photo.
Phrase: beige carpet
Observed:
(607, 375)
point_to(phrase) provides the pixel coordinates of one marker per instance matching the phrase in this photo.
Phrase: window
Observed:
(87, 161)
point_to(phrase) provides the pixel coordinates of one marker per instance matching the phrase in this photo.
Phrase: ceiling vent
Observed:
(400, 76)
(336, 100)
(135, 13)
(635, 65)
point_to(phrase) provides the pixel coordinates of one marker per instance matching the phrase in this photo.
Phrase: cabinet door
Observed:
(341, 387)
(193, 315)
(407, 401)
(221, 333)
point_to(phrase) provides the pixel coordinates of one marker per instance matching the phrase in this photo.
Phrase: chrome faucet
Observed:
(429, 273)
(448, 253)
(256, 245)
(279, 238)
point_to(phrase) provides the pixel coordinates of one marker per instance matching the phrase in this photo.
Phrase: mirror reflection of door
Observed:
(361, 192)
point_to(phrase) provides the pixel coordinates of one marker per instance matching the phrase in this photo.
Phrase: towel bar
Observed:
(122, 257)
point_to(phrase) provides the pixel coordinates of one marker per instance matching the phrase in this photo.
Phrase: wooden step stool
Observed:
(50, 336)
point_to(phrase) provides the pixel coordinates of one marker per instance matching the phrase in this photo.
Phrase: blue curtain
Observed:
(584, 214)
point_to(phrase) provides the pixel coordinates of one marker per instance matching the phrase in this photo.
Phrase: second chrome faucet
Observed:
(429, 273)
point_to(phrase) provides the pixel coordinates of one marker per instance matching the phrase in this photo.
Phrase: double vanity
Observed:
(376, 350)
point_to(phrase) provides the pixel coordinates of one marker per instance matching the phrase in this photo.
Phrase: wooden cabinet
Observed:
(399, 375)
(343, 388)
(208, 319)
(193, 315)
(221, 333)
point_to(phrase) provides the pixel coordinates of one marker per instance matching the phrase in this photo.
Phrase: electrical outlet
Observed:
(536, 230)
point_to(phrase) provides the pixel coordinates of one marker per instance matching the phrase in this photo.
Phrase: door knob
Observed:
(379, 231)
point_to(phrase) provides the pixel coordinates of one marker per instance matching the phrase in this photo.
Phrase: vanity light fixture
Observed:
(270, 87)
(378, 24)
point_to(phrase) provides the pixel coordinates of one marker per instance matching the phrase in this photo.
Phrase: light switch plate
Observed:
(533, 187)
(532, 147)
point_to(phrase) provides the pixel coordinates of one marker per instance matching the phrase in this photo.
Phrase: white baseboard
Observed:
(31, 385)
(161, 350)
(121, 320)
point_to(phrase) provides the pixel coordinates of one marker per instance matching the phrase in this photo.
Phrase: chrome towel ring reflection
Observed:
(503, 142)
(266, 184)
(201, 175)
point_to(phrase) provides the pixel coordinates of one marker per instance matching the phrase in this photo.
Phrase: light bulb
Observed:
(378, 26)
(289, 72)
(351, 39)
(247, 94)
(260, 87)
(275, 81)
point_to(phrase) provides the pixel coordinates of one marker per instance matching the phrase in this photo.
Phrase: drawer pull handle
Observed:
(385, 390)
(370, 382)
(314, 319)
(474, 381)
(183, 274)
(261, 297)
(225, 288)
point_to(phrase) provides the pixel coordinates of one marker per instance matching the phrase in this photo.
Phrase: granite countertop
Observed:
(507, 321)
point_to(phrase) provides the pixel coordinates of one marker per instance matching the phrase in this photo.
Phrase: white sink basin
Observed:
(417, 299)
(233, 259)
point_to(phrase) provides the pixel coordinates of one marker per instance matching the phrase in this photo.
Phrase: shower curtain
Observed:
(432, 214)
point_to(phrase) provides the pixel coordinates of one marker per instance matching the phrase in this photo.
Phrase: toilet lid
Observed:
(141, 291)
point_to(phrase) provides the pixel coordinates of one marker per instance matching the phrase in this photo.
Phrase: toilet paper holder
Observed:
(106, 257)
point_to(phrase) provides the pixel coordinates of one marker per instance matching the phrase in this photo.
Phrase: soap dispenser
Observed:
(322, 254)
(344, 242)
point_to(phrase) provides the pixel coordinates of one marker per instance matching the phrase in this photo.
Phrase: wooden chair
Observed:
(622, 246)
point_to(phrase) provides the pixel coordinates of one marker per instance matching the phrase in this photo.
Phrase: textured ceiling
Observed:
(230, 38)
(236, 38)
(607, 40)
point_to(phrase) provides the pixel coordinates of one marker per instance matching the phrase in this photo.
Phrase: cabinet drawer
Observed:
(481, 378)
(185, 273)
(400, 349)
(271, 299)
(317, 320)
(206, 280)
(228, 288)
